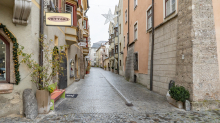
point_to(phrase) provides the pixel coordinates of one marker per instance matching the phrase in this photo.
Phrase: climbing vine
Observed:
(15, 52)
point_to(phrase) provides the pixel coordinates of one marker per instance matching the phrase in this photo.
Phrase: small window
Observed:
(170, 6)
(116, 48)
(149, 18)
(126, 16)
(135, 31)
(56, 41)
(135, 3)
(69, 9)
(84, 24)
(120, 62)
(120, 29)
(124, 41)
(55, 2)
(127, 39)
(135, 61)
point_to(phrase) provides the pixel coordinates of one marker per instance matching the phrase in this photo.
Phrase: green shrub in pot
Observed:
(179, 93)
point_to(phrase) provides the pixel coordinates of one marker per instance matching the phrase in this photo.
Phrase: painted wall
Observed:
(27, 36)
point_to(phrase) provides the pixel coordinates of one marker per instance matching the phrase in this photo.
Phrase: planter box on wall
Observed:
(43, 101)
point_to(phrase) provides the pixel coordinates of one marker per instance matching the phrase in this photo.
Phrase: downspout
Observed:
(152, 49)
(128, 27)
(118, 44)
(114, 50)
(41, 38)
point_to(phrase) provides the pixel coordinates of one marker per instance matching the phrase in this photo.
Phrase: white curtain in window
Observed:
(170, 6)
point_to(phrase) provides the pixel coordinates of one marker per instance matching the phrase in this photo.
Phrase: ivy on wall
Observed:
(15, 52)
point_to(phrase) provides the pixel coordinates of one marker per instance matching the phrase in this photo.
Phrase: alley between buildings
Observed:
(97, 101)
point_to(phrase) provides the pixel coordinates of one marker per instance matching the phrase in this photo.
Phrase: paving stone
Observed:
(97, 102)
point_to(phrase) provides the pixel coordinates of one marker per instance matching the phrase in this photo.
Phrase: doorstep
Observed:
(6, 88)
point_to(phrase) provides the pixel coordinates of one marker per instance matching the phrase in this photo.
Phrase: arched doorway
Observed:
(76, 67)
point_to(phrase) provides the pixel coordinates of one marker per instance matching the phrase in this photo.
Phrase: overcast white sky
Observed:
(99, 31)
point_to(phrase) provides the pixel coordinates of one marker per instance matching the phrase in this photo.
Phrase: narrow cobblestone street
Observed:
(98, 102)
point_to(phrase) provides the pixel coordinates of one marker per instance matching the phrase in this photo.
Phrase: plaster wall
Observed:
(27, 36)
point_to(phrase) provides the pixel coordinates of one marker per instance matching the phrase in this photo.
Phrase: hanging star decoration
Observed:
(109, 17)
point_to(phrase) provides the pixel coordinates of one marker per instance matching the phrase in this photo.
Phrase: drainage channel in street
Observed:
(127, 102)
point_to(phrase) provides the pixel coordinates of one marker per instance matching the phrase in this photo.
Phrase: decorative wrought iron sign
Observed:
(59, 19)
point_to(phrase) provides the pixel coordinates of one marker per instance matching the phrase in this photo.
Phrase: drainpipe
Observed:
(128, 27)
(41, 36)
(114, 51)
(118, 45)
(152, 49)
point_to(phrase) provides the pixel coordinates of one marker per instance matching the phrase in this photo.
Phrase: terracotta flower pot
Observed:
(43, 101)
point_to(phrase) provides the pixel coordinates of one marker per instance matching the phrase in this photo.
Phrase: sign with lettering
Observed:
(71, 95)
(59, 19)
(83, 44)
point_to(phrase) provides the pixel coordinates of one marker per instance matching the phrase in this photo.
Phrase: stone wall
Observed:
(129, 70)
(164, 57)
(206, 84)
(184, 46)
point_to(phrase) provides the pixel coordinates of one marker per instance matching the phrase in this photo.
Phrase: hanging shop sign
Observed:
(83, 44)
(59, 19)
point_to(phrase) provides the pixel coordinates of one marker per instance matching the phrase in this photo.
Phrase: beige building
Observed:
(26, 32)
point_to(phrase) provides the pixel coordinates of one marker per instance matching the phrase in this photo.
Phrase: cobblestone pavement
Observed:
(97, 102)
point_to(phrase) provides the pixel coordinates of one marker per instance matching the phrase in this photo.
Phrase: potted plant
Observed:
(88, 69)
(179, 94)
(43, 75)
(105, 67)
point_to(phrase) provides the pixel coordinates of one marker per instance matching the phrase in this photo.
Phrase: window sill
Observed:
(135, 7)
(149, 30)
(6, 88)
(170, 14)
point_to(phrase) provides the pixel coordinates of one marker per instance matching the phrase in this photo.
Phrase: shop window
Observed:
(4, 60)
